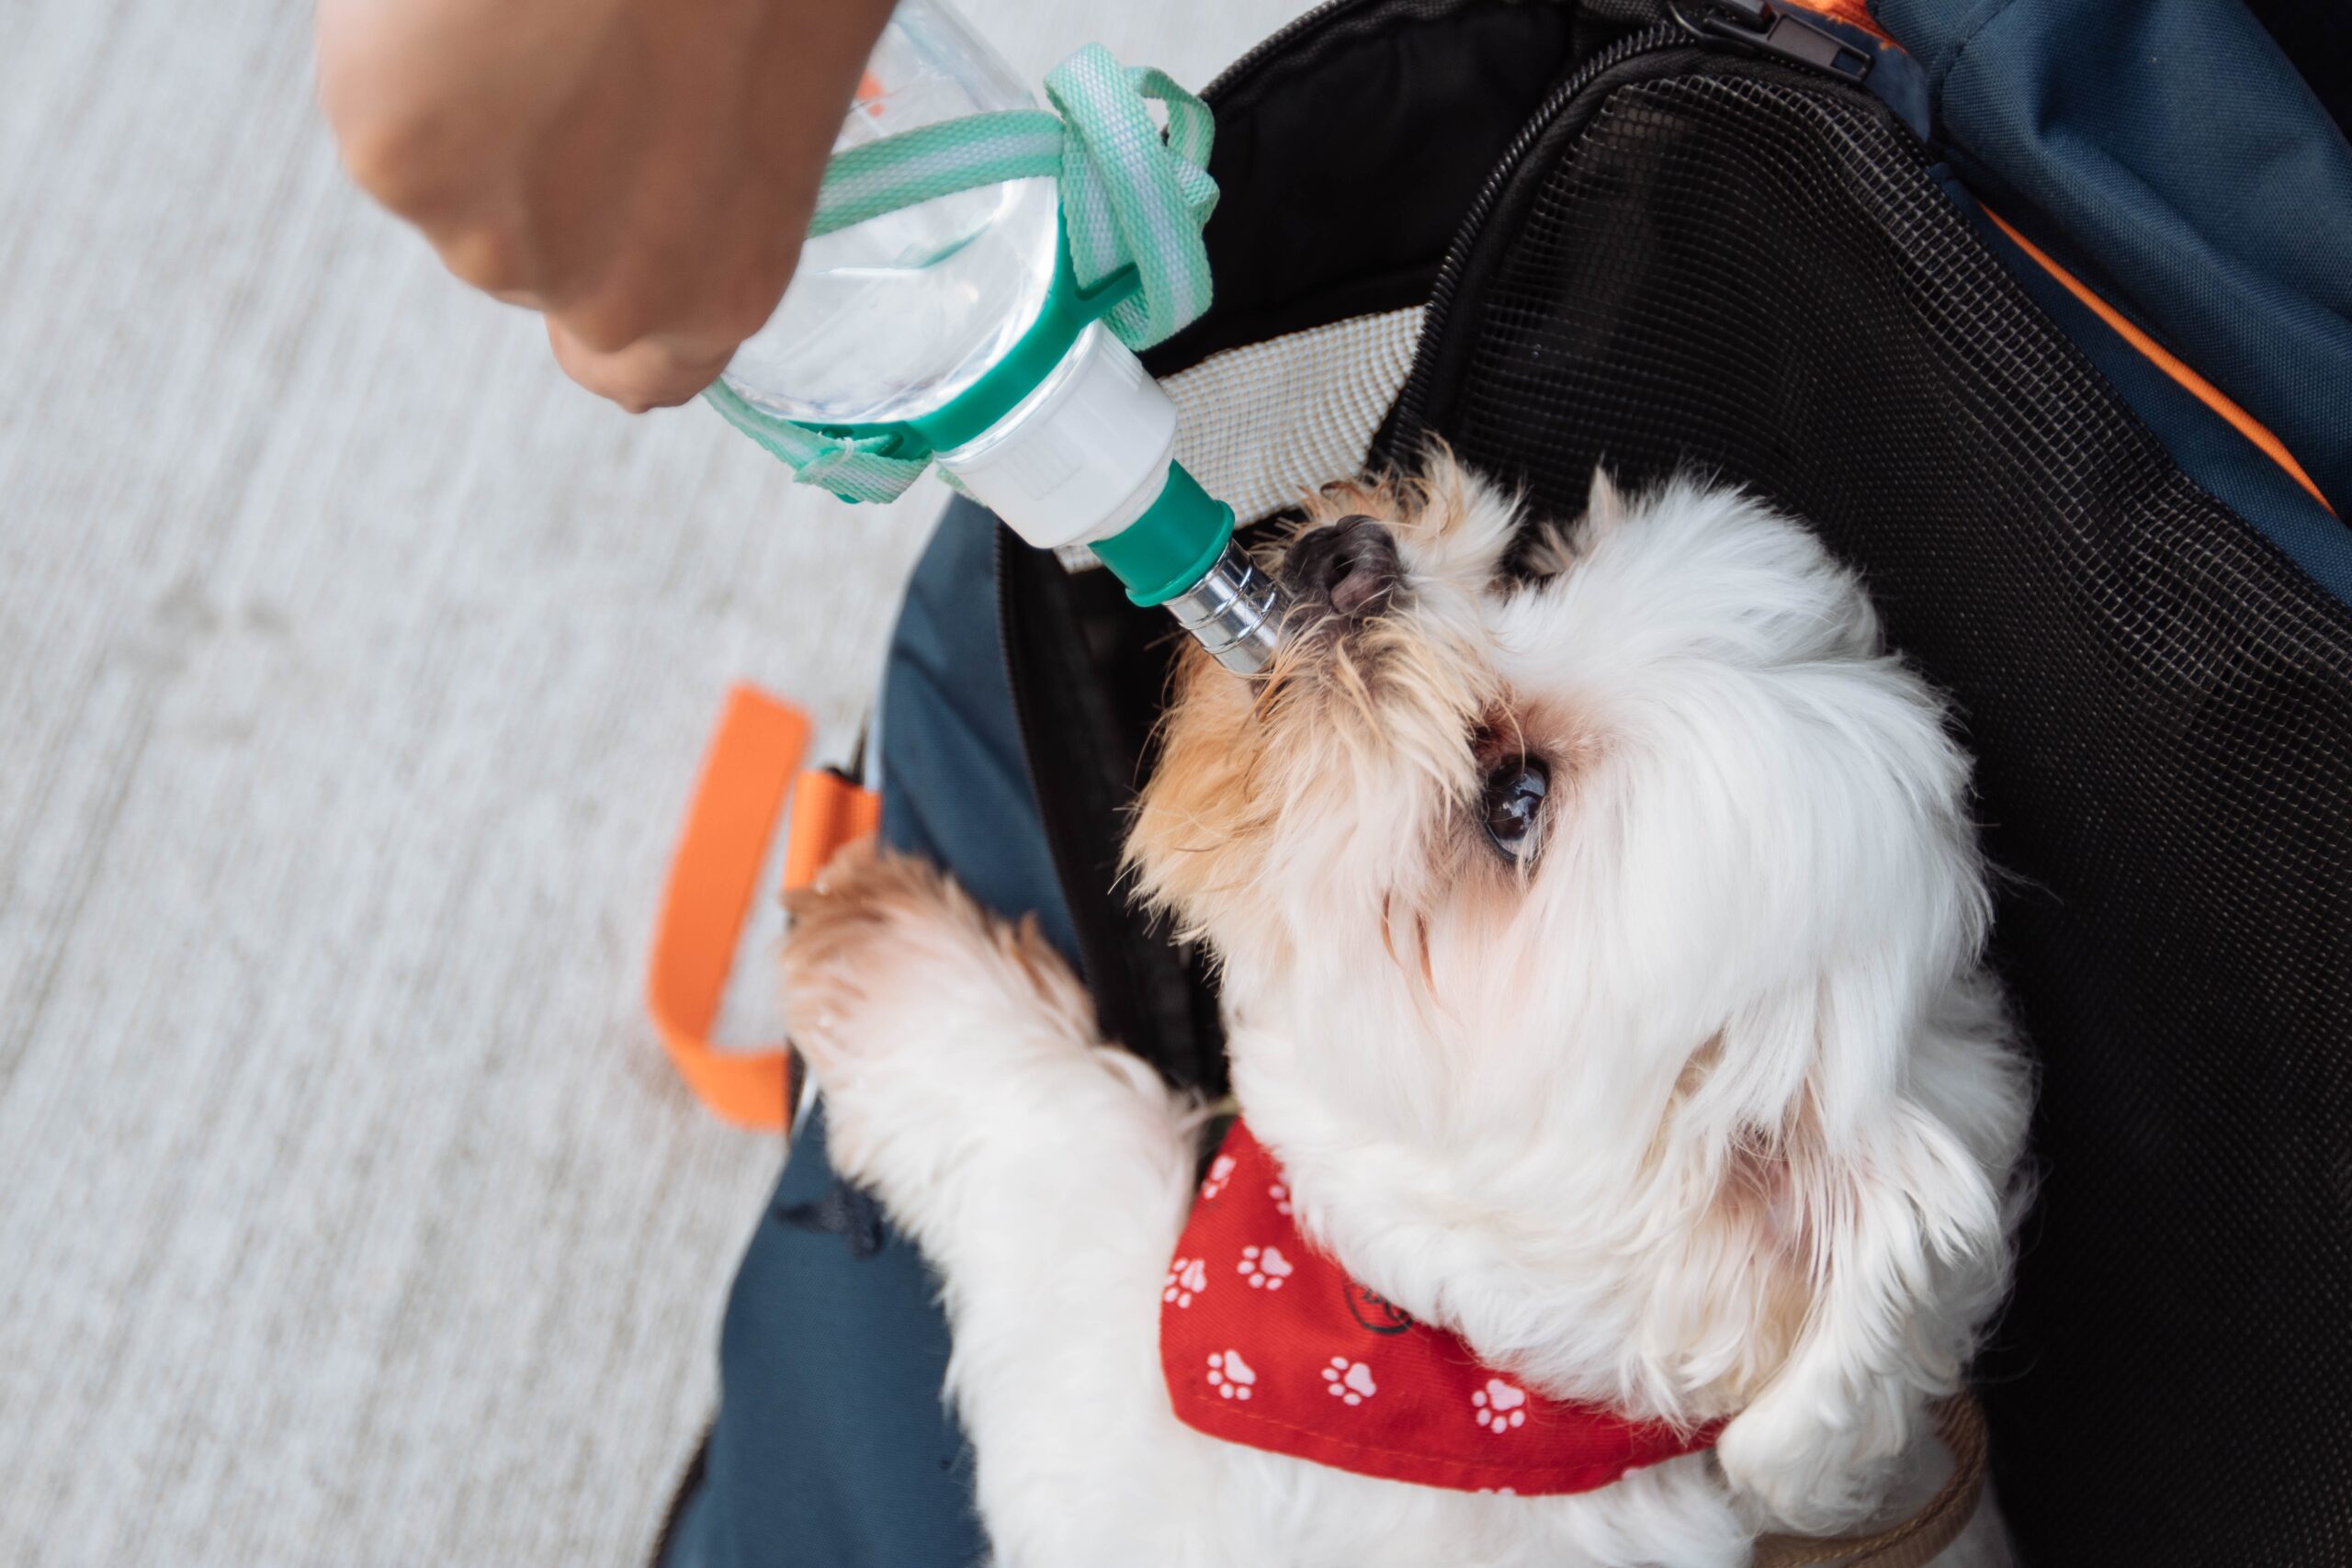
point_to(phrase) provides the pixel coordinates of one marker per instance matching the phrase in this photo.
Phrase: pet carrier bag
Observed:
(2046, 323)
(2039, 311)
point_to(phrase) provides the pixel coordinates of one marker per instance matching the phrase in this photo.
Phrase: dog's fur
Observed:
(1707, 1110)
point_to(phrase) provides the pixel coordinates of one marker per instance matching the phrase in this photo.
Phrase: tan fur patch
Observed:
(870, 906)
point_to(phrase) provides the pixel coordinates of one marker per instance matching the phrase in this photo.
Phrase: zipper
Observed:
(1412, 402)
(1751, 26)
(1783, 34)
(1752, 22)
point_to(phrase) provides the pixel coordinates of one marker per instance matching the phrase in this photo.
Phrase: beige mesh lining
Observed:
(1259, 424)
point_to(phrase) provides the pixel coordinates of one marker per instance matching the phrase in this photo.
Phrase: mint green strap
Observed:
(854, 468)
(1129, 198)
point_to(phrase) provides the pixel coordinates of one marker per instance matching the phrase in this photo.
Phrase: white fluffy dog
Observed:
(1600, 925)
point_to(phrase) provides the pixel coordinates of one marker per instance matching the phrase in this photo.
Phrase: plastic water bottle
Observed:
(893, 317)
(912, 318)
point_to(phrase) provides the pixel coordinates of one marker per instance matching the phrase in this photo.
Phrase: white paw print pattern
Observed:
(1264, 1267)
(1230, 1375)
(1500, 1407)
(1349, 1382)
(1281, 1195)
(1187, 1278)
(1220, 1172)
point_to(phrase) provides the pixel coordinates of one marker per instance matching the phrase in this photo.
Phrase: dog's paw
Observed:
(885, 954)
(1807, 1470)
(850, 942)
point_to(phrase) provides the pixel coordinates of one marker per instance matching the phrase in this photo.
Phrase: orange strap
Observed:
(746, 778)
(1853, 12)
(2155, 354)
(828, 811)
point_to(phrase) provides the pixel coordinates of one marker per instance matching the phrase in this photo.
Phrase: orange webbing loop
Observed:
(828, 811)
(1853, 12)
(746, 778)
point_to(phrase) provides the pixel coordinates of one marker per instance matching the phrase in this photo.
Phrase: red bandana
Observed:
(1265, 1342)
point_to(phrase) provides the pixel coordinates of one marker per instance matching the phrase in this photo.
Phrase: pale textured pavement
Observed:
(353, 672)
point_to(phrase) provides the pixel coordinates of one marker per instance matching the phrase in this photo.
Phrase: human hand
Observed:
(640, 170)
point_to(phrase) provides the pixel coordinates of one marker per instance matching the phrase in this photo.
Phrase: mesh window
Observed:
(1755, 274)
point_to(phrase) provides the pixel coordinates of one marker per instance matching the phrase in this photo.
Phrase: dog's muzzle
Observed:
(1350, 567)
(1235, 611)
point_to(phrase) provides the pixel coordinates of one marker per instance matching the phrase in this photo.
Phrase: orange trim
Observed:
(2204, 392)
(828, 811)
(746, 779)
(1854, 12)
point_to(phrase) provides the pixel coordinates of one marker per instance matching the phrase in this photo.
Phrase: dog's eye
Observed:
(1514, 807)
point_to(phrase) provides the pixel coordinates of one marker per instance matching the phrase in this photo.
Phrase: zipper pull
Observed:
(1768, 29)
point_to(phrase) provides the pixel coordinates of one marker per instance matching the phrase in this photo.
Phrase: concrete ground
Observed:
(354, 671)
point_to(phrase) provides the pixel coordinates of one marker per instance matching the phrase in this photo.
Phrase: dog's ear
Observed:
(1888, 1213)
(1549, 550)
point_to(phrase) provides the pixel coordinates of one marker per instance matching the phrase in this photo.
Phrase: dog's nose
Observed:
(1352, 565)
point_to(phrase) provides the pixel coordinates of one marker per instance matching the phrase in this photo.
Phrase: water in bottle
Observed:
(892, 321)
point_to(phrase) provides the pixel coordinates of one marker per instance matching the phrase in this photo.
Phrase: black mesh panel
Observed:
(1757, 276)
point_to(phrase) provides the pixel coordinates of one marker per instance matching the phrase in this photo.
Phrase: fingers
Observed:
(641, 171)
(651, 373)
(663, 320)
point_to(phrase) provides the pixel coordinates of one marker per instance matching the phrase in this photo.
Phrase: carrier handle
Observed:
(752, 770)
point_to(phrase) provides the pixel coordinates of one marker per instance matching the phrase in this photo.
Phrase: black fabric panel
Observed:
(1754, 275)
(1089, 674)
(2317, 36)
(1347, 158)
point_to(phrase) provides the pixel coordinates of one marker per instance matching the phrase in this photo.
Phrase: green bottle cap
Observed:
(1171, 547)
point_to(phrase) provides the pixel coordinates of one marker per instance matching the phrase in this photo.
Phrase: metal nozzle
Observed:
(1235, 611)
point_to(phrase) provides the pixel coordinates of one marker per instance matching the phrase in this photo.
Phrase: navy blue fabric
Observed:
(832, 1445)
(2167, 152)
(2207, 447)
